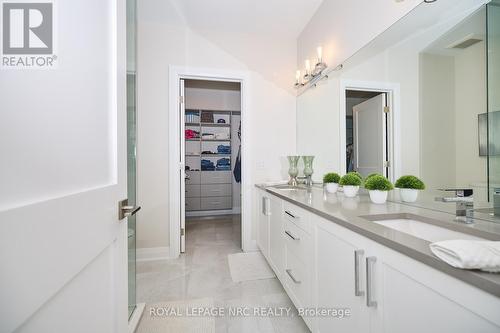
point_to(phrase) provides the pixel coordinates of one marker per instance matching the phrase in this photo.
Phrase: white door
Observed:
(182, 171)
(340, 283)
(63, 250)
(369, 129)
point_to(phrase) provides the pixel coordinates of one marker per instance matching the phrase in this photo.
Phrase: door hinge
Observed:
(183, 232)
(387, 164)
(181, 99)
(386, 109)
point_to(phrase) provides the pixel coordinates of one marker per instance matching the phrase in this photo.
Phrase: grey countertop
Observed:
(349, 212)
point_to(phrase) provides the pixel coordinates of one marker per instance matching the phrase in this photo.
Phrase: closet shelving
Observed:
(209, 189)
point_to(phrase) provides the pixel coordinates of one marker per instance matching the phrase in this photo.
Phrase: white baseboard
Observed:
(251, 247)
(153, 253)
(136, 317)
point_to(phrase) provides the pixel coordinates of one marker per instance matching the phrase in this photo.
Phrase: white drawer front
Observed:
(193, 191)
(216, 190)
(216, 177)
(194, 177)
(297, 241)
(297, 279)
(213, 203)
(297, 215)
(193, 204)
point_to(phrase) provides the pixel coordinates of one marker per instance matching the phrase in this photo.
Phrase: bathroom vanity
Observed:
(333, 252)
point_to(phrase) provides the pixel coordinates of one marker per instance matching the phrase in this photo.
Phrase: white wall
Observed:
(164, 39)
(470, 100)
(437, 120)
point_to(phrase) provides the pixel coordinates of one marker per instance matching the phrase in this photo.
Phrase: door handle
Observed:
(357, 255)
(125, 210)
(369, 276)
(291, 236)
(289, 272)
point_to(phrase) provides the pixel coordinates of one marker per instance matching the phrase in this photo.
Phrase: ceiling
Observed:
(473, 26)
(285, 18)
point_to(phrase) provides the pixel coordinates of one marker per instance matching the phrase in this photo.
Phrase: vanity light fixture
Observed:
(313, 75)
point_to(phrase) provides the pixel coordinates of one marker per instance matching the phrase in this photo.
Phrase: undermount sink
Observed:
(426, 231)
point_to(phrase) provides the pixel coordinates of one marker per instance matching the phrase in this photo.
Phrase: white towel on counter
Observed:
(469, 254)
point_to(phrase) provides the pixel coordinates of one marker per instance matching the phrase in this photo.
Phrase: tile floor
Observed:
(203, 271)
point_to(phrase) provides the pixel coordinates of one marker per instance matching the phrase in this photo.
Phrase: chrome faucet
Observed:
(306, 180)
(464, 204)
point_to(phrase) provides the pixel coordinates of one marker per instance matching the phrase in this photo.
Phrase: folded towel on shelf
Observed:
(469, 254)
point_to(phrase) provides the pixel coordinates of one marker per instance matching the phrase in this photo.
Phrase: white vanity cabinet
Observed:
(340, 281)
(389, 292)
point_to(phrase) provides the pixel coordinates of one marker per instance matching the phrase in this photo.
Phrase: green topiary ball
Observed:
(331, 177)
(378, 182)
(350, 179)
(410, 182)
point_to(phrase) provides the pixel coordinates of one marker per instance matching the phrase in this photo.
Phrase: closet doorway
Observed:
(210, 117)
(370, 132)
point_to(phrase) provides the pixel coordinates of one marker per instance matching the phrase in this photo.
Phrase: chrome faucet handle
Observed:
(459, 192)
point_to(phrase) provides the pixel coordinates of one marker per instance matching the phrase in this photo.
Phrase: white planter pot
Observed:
(378, 197)
(350, 191)
(408, 194)
(331, 187)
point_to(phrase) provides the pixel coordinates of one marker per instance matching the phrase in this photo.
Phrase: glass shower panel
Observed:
(493, 37)
(131, 150)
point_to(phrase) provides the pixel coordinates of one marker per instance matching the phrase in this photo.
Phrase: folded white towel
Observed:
(469, 254)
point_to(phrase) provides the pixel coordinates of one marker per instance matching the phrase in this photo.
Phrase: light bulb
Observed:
(320, 54)
(297, 76)
(308, 66)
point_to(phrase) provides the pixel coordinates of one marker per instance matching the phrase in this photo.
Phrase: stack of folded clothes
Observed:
(223, 149)
(208, 136)
(223, 164)
(191, 134)
(207, 165)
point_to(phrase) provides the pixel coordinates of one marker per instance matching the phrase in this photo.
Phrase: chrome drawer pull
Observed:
(369, 276)
(289, 272)
(357, 255)
(291, 236)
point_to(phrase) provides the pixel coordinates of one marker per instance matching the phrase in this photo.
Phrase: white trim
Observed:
(175, 74)
(136, 317)
(152, 253)
(393, 130)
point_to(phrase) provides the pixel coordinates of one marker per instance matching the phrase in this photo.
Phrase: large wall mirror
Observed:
(423, 98)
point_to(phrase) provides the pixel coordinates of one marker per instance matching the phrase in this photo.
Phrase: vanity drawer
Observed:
(216, 177)
(194, 177)
(297, 279)
(213, 203)
(216, 190)
(192, 191)
(193, 204)
(300, 217)
(297, 241)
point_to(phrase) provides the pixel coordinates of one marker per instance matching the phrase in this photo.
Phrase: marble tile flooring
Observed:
(203, 271)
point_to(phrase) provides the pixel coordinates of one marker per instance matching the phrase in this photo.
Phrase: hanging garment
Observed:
(237, 164)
